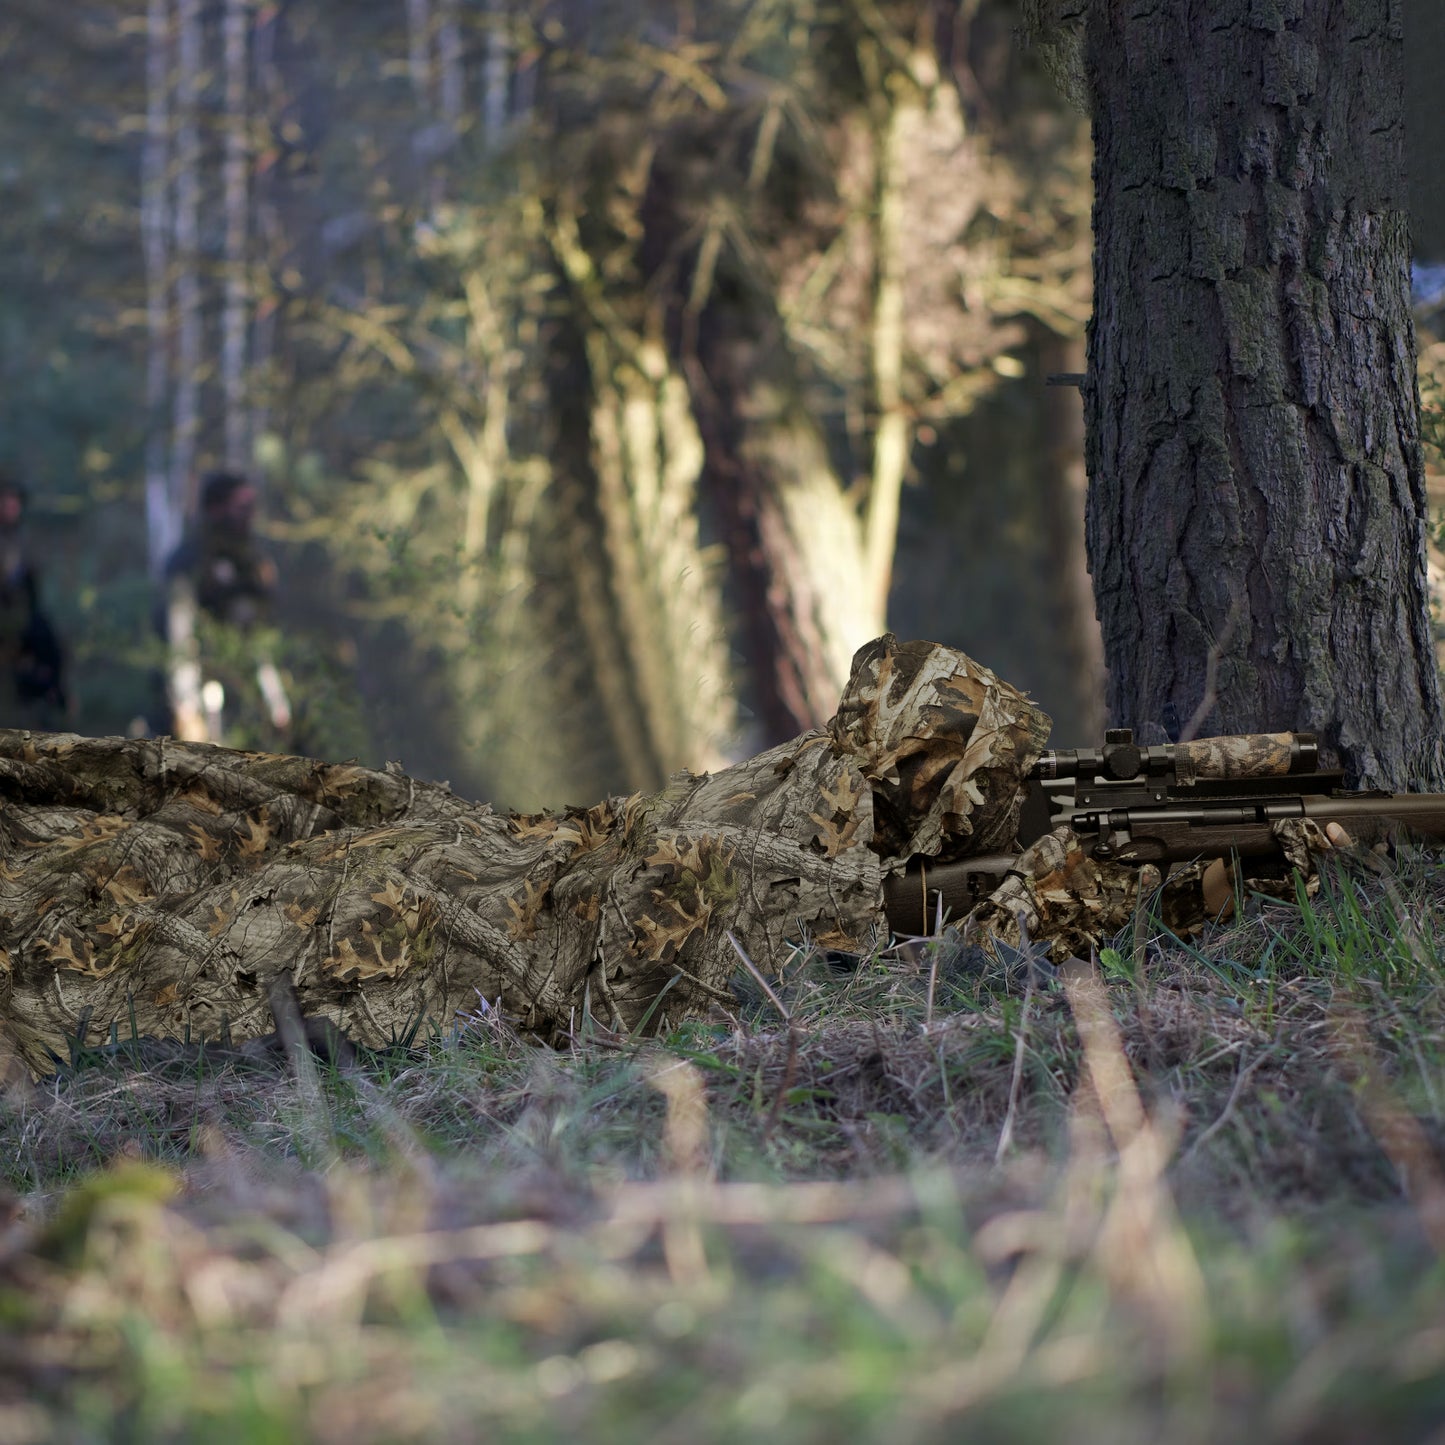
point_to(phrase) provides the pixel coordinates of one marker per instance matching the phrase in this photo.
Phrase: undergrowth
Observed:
(1191, 1190)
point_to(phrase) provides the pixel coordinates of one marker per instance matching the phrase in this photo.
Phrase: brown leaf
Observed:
(126, 886)
(523, 922)
(399, 899)
(842, 798)
(197, 795)
(258, 833)
(207, 844)
(97, 830)
(533, 825)
(301, 917)
(352, 966)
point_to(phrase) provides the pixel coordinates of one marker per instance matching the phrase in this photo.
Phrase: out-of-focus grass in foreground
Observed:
(1193, 1193)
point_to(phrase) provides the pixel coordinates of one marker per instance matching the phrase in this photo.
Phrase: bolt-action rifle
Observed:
(1172, 803)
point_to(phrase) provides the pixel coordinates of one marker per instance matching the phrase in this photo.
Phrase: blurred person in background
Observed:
(32, 662)
(219, 648)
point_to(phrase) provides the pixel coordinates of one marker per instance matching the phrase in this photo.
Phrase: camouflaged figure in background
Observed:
(214, 619)
(32, 661)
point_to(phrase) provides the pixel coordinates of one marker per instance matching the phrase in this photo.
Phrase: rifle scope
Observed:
(1249, 755)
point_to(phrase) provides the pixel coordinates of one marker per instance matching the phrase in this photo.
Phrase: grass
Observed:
(1193, 1195)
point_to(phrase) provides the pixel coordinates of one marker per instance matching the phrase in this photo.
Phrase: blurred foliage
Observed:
(591, 346)
(478, 347)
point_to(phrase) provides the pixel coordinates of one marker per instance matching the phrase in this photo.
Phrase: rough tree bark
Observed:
(1256, 481)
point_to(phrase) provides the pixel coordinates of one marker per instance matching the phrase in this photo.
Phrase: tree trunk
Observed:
(419, 54)
(451, 87)
(269, 242)
(1073, 623)
(187, 416)
(496, 70)
(646, 594)
(236, 166)
(156, 888)
(794, 538)
(163, 518)
(1256, 480)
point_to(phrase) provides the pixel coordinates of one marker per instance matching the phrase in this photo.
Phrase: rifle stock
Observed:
(1169, 804)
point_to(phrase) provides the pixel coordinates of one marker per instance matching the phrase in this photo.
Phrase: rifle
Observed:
(1165, 804)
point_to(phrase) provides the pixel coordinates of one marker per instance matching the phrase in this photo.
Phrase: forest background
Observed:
(611, 371)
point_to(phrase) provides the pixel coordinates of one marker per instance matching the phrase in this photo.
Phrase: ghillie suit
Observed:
(165, 889)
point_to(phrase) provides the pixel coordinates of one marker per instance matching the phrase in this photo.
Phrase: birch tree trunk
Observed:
(451, 87)
(419, 53)
(496, 73)
(1256, 479)
(268, 244)
(236, 168)
(187, 416)
(895, 115)
(163, 518)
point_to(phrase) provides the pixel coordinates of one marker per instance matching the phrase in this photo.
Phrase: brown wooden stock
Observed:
(963, 885)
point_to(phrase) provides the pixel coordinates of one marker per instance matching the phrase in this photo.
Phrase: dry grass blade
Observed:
(338, 1285)
(1141, 1244)
(762, 983)
(1398, 1132)
(685, 1140)
(1005, 1136)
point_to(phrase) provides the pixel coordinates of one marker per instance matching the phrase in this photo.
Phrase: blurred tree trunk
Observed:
(794, 538)
(451, 85)
(991, 549)
(1256, 480)
(235, 201)
(496, 69)
(1073, 621)
(645, 594)
(163, 517)
(261, 382)
(187, 415)
(811, 550)
(419, 53)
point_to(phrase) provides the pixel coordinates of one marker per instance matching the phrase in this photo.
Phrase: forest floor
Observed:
(1195, 1193)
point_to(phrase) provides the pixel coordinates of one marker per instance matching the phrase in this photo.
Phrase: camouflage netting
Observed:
(161, 888)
